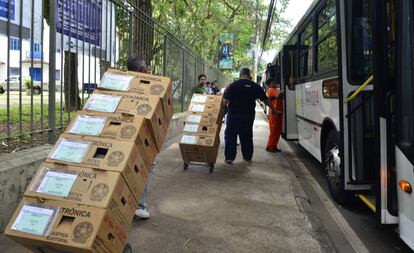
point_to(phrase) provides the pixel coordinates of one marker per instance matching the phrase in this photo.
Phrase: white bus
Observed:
(362, 134)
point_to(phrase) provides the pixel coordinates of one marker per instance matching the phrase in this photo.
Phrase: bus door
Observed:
(384, 76)
(358, 122)
(404, 150)
(290, 127)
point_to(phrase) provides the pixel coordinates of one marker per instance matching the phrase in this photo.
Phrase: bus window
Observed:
(327, 49)
(406, 136)
(306, 57)
(359, 41)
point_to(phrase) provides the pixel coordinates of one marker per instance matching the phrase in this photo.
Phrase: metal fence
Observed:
(54, 52)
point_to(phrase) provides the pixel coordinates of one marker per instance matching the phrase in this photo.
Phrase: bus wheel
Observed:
(332, 164)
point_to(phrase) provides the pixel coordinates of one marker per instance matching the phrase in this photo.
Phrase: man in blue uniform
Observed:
(240, 97)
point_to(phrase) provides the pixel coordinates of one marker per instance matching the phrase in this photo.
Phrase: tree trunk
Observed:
(255, 52)
(142, 32)
(71, 89)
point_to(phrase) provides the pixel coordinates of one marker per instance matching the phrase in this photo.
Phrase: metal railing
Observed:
(54, 52)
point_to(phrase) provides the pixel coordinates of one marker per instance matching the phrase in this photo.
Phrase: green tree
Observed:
(200, 23)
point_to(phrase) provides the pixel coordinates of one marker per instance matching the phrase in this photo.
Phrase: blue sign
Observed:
(81, 19)
(4, 9)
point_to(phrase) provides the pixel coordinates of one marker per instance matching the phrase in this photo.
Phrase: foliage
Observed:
(200, 23)
(28, 83)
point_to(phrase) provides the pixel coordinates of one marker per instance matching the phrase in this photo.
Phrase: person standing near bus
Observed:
(200, 87)
(240, 97)
(138, 64)
(275, 119)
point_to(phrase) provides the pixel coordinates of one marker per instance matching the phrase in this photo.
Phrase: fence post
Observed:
(182, 83)
(52, 74)
(164, 59)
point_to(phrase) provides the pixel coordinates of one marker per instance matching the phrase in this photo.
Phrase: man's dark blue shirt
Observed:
(242, 95)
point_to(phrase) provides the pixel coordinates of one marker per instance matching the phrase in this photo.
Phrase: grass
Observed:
(26, 121)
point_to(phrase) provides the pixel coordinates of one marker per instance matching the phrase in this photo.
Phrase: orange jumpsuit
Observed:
(275, 120)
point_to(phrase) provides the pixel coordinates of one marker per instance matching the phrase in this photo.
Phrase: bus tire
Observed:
(332, 167)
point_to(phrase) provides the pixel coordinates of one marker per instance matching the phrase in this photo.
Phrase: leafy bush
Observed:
(28, 83)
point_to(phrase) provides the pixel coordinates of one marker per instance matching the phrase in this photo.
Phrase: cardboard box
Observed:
(192, 128)
(212, 109)
(141, 83)
(203, 119)
(55, 226)
(133, 104)
(103, 154)
(85, 186)
(117, 126)
(199, 148)
(207, 99)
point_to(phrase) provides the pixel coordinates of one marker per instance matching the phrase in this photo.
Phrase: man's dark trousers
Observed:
(242, 126)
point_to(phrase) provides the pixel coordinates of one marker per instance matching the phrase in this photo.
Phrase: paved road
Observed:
(358, 216)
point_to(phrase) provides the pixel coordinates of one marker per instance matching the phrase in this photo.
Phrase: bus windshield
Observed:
(359, 34)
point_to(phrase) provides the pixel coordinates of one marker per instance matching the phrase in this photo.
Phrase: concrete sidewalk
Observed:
(257, 207)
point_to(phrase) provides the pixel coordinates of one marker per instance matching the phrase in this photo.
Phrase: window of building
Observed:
(306, 56)
(326, 47)
(36, 47)
(359, 41)
(14, 71)
(57, 74)
(14, 43)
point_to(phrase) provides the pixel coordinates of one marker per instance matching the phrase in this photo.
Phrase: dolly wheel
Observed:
(127, 248)
(185, 166)
(211, 167)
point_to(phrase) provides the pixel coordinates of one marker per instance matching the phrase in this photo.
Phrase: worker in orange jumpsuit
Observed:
(275, 118)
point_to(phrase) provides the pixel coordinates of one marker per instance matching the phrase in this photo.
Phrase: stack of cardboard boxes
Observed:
(83, 198)
(202, 125)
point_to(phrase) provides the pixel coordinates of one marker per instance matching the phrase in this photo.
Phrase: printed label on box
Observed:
(88, 125)
(70, 151)
(199, 99)
(34, 220)
(102, 103)
(191, 128)
(57, 183)
(113, 81)
(194, 118)
(197, 108)
(189, 139)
